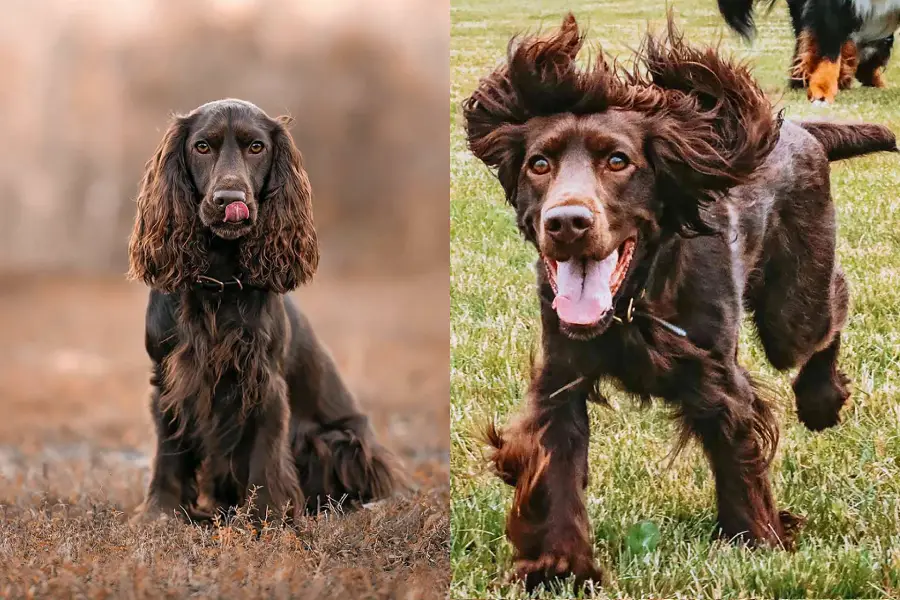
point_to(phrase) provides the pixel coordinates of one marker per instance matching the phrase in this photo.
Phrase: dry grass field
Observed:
(76, 439)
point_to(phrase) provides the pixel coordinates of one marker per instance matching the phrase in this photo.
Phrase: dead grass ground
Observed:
(76, 439)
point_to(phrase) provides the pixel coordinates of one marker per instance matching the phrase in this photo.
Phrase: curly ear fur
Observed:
(712, 130)
(165, 248)
(709, 126)
(512, 94)
(282, 252)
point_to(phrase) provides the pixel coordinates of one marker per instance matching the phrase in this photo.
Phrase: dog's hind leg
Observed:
(739, 435)
(874, 57)
(335, 450)
(800, 301)
(336, 453)
(341, 463)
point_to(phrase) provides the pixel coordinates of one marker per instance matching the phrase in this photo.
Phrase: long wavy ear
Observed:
(712, 130)
(283, 252)
(539, 71)
(165, 248)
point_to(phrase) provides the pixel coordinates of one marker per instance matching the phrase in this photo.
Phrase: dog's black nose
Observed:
(223, 197)
(567, 224)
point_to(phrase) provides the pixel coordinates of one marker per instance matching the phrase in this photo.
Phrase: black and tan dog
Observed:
(664, 202)
(836, 40)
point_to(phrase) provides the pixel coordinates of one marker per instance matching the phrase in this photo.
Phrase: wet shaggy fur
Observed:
(245, 399)
(829, 52)
(732, 211)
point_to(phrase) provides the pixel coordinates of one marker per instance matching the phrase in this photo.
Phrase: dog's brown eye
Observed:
(202, 147)
(617, 161)
(539, 165)
(256, 147)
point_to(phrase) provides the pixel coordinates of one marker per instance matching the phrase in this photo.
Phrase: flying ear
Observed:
(496, 110)
(712, 129)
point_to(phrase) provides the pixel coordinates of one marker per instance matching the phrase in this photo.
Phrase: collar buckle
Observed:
(213, 284)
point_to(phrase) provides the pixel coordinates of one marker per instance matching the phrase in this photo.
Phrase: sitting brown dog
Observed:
(241, 385)
(664, 202)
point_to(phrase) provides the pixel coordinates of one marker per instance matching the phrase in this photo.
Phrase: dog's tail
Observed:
(847, 140)
(739, 14)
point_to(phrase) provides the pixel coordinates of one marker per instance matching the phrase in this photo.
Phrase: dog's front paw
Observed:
(550, 567)
(790, 526)
(148, 512)
(151, 511)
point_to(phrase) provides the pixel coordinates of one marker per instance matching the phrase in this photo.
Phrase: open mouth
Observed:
(585, 288)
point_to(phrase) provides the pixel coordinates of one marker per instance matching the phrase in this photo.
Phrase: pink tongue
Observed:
(583, 295)
(236, 212)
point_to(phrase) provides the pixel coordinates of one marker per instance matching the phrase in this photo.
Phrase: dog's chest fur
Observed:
(222, 367)
(698, 285)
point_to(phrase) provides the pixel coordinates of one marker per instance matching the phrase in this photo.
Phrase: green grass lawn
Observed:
(846, 481)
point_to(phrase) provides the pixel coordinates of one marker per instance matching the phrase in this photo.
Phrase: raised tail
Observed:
(739, 14)
(847, 140)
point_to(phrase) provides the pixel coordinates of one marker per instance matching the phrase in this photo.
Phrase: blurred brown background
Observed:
(88, 88)
(87, 91)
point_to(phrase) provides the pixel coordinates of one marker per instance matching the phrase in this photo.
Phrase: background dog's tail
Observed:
(847, 140)
(739, 14)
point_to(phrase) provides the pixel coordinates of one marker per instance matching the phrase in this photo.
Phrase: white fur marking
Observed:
(568, 211)
(875, 8)
(880, 19)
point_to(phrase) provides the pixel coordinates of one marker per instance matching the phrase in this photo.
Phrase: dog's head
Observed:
(229, 171)
(599, 162)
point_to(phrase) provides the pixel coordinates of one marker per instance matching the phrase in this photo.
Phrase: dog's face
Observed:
(600, 163)
(229, 155)
(228, 171)
(585, 196)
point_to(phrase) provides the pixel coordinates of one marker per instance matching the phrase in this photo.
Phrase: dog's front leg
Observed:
(544, 455)
(739, 435)
(172, 490)
(272, 471)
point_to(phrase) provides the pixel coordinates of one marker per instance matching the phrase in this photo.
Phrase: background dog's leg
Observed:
(799, 71)
(271, 468)
(823, 81)
(849, 64)
(874, 57)
(739, 435)
(806, 59)
(544, 456)
(172, 486)
(827, 34)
